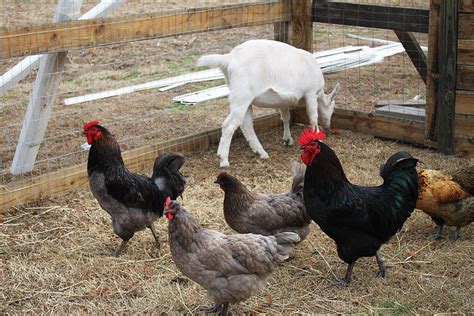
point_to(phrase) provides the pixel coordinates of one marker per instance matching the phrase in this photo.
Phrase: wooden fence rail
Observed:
(91, 33)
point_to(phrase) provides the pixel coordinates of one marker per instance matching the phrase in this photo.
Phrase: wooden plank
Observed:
(466, 26)
(301, 36)
(406, 112)
(465, 52)
(41, 102)
(98, 32)
(410, 102)
(414, 51)
(374, 16)
(464, 102)
(447, 50)
(24, 67)
(433, 72)
(382, 126)
(465, 77)
(464, 126)
(71, 178)
(466, 6)
(464, 147)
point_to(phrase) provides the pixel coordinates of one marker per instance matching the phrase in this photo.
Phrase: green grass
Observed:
(134, 73)
(395, 308)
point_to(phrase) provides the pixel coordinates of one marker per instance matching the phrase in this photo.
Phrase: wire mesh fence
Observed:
(149, 115)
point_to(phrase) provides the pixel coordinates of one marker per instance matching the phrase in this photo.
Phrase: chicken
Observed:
(359, 219)
(447, 199)
(230, 267)
(133, 201)
(248, 212)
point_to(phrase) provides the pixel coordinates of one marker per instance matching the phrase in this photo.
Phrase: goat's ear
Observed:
(334, 93)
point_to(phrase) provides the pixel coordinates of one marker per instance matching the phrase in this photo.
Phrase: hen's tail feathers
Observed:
(214, 60)
(286, 242)
(399, 161)
(298, 170)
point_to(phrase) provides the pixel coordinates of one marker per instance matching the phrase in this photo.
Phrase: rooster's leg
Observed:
(348, 278)
(155, 235)
(456, 233)
(121, 248)
(381, 263)
(439, 232)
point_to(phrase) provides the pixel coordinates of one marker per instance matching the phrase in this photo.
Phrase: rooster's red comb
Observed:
(90, 124)
(221, 175)
(309, 135)
(167, 203)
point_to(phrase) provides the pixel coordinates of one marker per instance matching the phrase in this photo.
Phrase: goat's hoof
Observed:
(264, 156)
(289, 142)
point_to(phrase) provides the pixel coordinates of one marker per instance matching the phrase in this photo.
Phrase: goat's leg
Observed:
(249, 133)
(238, 108)
(312, 109)
(285, 117)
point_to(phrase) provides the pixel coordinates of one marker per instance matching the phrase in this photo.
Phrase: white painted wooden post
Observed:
(23, 68)
(41, 103)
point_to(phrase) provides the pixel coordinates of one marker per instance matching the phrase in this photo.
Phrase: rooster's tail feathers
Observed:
(286, 242)
(398, 161)
(298, 170)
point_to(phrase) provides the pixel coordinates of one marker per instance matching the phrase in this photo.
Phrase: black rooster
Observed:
(359, 219)
(132, 200)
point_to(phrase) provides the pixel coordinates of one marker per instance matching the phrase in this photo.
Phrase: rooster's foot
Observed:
(343, 282)
(121, 248)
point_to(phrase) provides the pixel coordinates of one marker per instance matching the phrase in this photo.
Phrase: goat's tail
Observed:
(214, 60)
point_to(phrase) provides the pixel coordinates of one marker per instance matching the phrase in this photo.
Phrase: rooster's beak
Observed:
(83, 133)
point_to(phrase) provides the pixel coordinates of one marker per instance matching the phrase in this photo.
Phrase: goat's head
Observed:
(326, 108)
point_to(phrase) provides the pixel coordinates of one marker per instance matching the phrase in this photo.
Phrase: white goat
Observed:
(269, 74)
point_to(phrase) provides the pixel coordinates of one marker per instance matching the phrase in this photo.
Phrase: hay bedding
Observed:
(56, 255)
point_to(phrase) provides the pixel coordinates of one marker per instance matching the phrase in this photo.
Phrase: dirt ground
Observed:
(56, 255)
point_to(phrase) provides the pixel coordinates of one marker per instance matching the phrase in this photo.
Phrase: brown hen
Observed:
(266, 214)
(447, 199)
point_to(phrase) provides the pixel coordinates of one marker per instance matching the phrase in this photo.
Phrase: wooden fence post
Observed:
(300, 35)
(44, 93)
(447, 50)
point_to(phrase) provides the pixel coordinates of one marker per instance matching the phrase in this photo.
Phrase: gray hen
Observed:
(231, 268)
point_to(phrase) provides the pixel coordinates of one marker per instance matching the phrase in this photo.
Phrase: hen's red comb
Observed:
(309, 135)
(167, 203)
(90, 124)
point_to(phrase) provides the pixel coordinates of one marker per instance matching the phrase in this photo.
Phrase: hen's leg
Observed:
(217, 308)
(121, 248)
(381, 263)
(155, 235)
(439, 232)
(348, 278)
(225, 309)
(456, 233)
